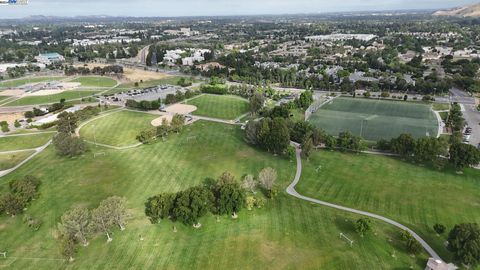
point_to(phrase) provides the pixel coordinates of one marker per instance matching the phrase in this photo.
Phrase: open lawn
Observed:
(22, 81)
(376, 119)
(117, 129)
(286, 234)
(68, 95)
(440, 106)
(415, 196)
(217, 106)
(3, 97)
(24, 142)
(8, 161)
(96, 81)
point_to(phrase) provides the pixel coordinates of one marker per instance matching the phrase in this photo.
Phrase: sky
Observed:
(174, 8)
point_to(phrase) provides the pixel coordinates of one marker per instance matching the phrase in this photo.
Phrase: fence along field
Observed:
(375, 119)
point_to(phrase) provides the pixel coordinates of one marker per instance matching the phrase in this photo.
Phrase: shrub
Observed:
(439, 228)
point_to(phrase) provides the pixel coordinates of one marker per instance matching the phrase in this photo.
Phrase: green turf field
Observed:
(24, 142)
(286, 234)
(20, 82)
(375, 119)
(68, 95)
(8, 161)
(3, 97)
(96, 81)
(117, 129)
(416, 196)
(217, 106)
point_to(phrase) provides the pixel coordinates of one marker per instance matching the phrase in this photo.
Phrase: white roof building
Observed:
(49, 58)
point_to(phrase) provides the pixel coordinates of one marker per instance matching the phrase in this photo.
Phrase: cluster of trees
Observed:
(149, 135)
(455, 118)
(20, 71)
(179, 96)
(144, 105)
(65, 141)
(112, 69)
(218, 89)
(223, 196)
(274, 135)
(79, 223)
(432, 150)
(412, 245)
(4, 126)
(464, 242)
(22, 192)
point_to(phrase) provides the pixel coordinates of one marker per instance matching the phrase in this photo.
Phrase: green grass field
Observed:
(96, 81)
(222, 107)
(375, 119)
(22, 81)
(286, 234)
(117, 129)
(24, 142)
(416, 196)
(8, 161)
(440, 106)
(34, 100)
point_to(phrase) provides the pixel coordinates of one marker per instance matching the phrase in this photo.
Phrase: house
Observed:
(436, 264)
(49, 58)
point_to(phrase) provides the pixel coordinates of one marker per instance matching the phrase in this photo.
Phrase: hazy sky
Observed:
(212, 7)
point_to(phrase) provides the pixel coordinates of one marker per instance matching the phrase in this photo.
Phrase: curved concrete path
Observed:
(291, 190)
(37, 151)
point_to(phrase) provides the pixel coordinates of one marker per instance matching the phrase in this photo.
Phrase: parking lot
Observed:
(149, 94)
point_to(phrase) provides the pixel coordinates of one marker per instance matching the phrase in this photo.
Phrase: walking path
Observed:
(37, 151)
(291, 190)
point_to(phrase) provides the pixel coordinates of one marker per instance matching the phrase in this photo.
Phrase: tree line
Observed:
(436, 151)
(223, 196)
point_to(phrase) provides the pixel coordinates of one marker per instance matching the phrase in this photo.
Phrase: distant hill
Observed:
(471, 11)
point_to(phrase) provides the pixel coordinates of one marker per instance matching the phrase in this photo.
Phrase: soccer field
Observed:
(376, 119)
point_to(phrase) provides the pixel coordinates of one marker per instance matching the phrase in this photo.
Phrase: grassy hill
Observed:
(471, 11)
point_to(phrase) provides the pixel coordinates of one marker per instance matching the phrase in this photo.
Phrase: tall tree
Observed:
(256, 102)
(159, 207)
(464, 242)
(75, 222)
(267, 178)
(229, 197)
(177, 122)
(404, 145)
(363, 225)
(67, 122)
(116, 207)
(249, 183)
(69, 145)
(464, 155)
(102, 220)
(279, 136)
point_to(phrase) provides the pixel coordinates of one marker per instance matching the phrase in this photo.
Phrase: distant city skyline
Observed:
(162, 8)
